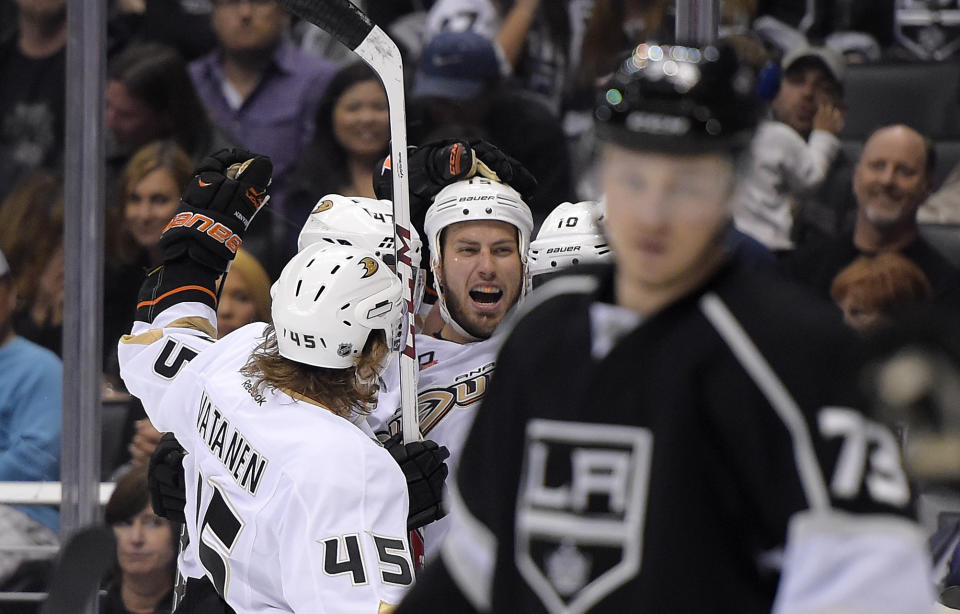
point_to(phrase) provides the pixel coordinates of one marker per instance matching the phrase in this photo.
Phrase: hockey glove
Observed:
(430, 168)
(422, 464)
(226, 191)
(168, 494)
(508, 170)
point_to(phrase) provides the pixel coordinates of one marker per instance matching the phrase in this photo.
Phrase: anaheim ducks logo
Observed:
(322, 206)
(370, 265)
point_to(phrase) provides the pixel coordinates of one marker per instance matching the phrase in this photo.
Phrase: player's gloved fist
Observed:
(507, 168)
(226, 191)
(422, 464)
(431, 167)
(436, 165)
(168, 494)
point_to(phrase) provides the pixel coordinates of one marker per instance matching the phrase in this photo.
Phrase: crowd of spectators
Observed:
(187, 77)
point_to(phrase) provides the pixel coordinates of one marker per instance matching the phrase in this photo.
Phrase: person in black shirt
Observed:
(33, 71)
(891, 180)
(146, 551)
(677, 432)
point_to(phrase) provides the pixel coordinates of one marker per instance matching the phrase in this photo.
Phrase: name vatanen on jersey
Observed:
(242, 461)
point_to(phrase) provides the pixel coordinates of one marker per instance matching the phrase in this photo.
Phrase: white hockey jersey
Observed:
(453, 380)
(290, 508)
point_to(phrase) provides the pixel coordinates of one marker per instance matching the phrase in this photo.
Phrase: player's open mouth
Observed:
(486, 296)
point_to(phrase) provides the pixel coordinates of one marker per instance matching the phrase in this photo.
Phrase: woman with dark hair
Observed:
(352, 133)
(150, 96)
(142, 581)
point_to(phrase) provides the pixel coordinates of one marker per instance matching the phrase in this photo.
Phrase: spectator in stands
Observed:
(535, 37)
(460, 89)
(890, 181)
(875, 290)
(352, 133)
(31, 236)
(258, 87)
(142, 582)
(33, 72)
(30, 418)
(245, 297)
(150, 96)
(793, 152)
(149, 194)
(181, 24)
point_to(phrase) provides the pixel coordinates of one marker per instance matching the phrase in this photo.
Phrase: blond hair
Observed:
(247, 266)
(165, 155)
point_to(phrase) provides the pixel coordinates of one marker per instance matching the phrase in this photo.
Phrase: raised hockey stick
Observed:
(349, 25)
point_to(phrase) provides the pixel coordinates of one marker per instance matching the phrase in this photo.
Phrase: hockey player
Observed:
(478, 232)
(678, 433)
(571, 235)
(292, 506)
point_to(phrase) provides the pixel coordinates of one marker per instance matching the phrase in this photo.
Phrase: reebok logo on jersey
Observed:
(580, 517)
(248, 386)
(202, 183)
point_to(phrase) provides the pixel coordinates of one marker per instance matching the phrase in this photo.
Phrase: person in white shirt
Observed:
(792, 152)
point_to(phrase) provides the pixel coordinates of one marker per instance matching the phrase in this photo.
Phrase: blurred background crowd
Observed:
(853, 188)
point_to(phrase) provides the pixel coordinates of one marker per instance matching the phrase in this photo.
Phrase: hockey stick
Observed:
(349, 25)
(80, 568)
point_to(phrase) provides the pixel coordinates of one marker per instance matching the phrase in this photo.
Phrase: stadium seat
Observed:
(922, 95)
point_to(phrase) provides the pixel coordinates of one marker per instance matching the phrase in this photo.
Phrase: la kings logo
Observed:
(581, 510)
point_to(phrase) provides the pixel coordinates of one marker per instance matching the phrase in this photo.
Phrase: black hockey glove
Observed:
(168, 494)
(422, 464)
(436, 165)
(508, 169)
(217, 205)
(430, 168)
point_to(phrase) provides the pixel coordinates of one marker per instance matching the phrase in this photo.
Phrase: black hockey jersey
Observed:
(712, 458)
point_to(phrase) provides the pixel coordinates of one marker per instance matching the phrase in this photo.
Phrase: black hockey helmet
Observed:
(678, 99)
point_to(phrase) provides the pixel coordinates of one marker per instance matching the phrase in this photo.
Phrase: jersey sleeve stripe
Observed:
(469, 552)
(776, 393)
(143, 304)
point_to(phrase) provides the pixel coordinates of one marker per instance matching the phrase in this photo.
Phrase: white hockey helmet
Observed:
(359, 221)
(328, 300)
(572, 234)
(476, 199)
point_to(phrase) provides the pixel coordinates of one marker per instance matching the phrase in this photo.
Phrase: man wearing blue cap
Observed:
(690, 440)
